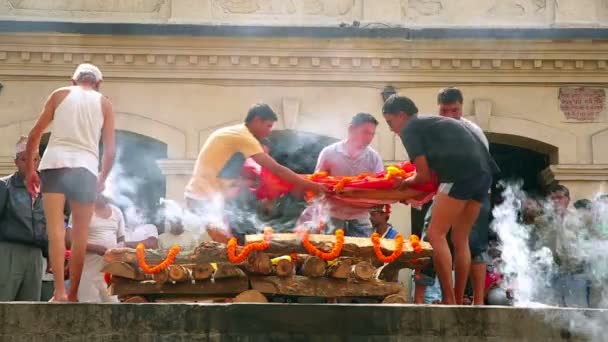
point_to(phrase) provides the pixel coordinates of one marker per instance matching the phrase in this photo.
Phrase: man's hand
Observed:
(317, 188)
(101, 185)
(33, 183)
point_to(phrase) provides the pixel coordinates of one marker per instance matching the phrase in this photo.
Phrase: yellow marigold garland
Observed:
(169, 260)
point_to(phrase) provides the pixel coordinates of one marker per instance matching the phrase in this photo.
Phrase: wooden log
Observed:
(178, 273)
(284, 268)
(314, 267)
(340, 269)
(161, 277)
(202, 271)
(225, 270)
(363, 271)
(259, 263)
(384, 195)
(250, 296)
(395, 299)
(229, 287)
(389, 272)
(123, 269)
(285, 244)
(134, 299)
(322, 287)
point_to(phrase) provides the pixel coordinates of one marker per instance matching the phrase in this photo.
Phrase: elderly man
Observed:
(22, 235)
(81, 118)
(351, 157)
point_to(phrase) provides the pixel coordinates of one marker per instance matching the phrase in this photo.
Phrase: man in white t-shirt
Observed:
(177, 235)
(106, 230)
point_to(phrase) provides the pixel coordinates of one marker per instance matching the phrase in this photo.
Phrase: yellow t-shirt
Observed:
(221, 160)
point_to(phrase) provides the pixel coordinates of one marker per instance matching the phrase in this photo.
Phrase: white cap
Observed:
(21, 145)
(89, 68)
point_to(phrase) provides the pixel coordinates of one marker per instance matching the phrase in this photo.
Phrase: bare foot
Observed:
(59, 299)
(72, 299)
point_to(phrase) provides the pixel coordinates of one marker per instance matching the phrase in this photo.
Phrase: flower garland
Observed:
(255, 246)
(415, 242)
(141, 259)
(331, 255)
(378, 250)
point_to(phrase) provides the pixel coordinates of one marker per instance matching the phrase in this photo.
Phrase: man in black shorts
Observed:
(465, 169)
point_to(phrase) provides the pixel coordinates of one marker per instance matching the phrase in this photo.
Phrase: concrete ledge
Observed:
(286, 322)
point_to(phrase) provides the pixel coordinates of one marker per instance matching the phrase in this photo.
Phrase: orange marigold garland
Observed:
(255, 246)
(378, 249)
(141, 259)
(415, 242)
(331, 255)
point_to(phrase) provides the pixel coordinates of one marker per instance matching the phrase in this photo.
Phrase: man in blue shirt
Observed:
(379, 216)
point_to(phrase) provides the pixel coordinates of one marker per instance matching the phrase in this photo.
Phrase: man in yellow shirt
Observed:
(220, 162)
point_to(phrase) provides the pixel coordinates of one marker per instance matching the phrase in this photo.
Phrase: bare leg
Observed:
(446, 210)
(81, 218)
(462, 252)
(53, 204)
(478, 278)
(419, 291)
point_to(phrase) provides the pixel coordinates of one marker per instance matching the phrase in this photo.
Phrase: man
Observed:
(81, 118)
(140, 232)
(177, 235)
(450, 105)
(22, 235)
(219, 165)
(351, 157)
(379, 217)
(465, 170)
(106, 231)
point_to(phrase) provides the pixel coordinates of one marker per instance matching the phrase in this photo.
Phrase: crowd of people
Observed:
(58, 201)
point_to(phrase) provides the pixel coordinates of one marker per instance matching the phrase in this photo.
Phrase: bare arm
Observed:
(108, 140)
(423, 173)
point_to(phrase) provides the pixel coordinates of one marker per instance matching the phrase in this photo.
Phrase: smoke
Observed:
(550, 259)
(122, 189)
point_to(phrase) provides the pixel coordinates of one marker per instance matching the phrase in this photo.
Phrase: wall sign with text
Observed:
(582, 104)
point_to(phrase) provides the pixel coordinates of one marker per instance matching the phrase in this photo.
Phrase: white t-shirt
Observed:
(140, 233)
(106, 231)
(186, 240)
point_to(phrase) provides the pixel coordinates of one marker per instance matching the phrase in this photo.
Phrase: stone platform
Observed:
(289, 322)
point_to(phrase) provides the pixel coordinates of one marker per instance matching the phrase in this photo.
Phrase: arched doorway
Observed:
(138, 178)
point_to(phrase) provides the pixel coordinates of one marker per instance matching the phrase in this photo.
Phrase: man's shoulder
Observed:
(331, 148)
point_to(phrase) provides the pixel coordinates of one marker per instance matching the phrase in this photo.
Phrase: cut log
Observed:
(250, 296)
(225, 270)
(363, 271)
(259, 263)
(202, 271)
(322, 287)
(229, 287)
(389, 272)
(161, 277)
(384, 195)
(285, 244)
(134, 299)
(284, 268)
(340, 269)
(178, 273)
(314, 267)
(122, 269)
(394, 299)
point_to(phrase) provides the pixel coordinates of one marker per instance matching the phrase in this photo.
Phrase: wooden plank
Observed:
(230, 286)
(287, 243)
(322, 287)
(123, 269)
(383, 195)
(390, 271)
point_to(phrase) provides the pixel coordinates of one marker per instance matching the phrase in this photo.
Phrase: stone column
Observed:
(177, 173)
(583, 181)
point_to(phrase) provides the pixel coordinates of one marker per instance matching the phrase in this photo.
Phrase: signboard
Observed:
(582, 104)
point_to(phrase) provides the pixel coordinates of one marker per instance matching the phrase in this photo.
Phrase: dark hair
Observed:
(361, 118)
(262, 111)
(583, 204)
(395, 104)
(556, 187)
(449, 95)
